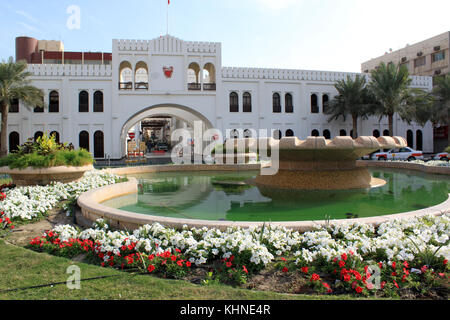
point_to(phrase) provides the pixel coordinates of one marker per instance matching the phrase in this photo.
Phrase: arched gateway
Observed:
(180, 112)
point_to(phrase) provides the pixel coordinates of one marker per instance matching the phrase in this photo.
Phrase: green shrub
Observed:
(45, 152)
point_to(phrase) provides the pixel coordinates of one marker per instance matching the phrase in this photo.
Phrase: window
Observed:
(376, 133)
(327, 134)
(14, 141)
(83, 140)
(315, 133)
(289, 133)
(125, 76)
(247, 102)
(234, 102)
(419, 140)
(140, 77)
(98, 145)
(37, 135)
(276, 103)
(209, 77)
(343, 133)
(53, 105)
(56, 133)
(98, 101)
(420, 62)
(438, 56)
(38, 109)
(325, 100)
(193, 76)
(410, 138)
(314, 104)
(289, 107)
(277, 134)
(83, 101)
(14, 106)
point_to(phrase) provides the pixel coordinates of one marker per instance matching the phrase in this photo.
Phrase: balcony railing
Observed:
(141, 85)
(125, 85)
(209, 86)
(194, 86)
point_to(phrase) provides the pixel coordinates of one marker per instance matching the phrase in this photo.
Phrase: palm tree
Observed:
(354, 99)
(14, 84)
(390, 86)
(441, 108)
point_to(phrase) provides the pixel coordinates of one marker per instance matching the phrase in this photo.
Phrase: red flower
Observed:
(283, 259)
(188, 263)
(341, 264)
(315, 277)
(173, 258)
(424, 269)
(347, 277)
(305, 270)
(359, 289)
(395, 283)
(406, 264)
(151, 268)
(285, 269)
(344, 256)
(382, 284)
(245, 269)
(394, 264)
(151, 257)
(445, 262)
(229, 264)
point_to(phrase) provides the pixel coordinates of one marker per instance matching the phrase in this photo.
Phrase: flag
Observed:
(168, 1)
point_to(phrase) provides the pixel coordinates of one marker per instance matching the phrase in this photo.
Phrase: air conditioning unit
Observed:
(419, 54)
(437, 48)
(404, 59)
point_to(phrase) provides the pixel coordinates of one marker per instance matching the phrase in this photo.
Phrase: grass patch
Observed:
(23, 268)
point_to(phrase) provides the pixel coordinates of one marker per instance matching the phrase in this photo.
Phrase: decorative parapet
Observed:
(87, 70)
(167, 44)
(306, 75)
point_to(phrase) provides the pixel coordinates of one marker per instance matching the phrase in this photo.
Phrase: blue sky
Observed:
(335, 35)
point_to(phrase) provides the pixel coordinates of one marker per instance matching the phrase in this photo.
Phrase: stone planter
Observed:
(43, 176)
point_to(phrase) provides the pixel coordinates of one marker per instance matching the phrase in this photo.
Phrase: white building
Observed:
(94, 105)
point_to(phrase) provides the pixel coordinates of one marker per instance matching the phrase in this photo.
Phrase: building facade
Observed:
(96, 105)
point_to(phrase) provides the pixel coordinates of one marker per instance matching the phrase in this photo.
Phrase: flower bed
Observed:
(399, 256)
(32, 202)
(431, 163)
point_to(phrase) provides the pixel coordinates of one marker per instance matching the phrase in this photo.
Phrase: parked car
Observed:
(370, 155)
(399, 154)
(441, 156)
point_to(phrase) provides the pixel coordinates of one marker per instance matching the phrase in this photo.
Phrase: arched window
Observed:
(277, 134)
(276, 103)
(83, 140)
(315, 133)
(247, 133)
(288, 106)
(193, 76)
(209, 77)
(38, 134)
(343, 133)
(376, 133)
(14, 141)
(14, 106)
(234, 134)
(325, 101)
(247, 102)
(419, 140)
(314, 104)
(98, 145)
(53, 104)
(98, 101)
(289, 133)
(410, 138)
(56, 133)
(327, 134)
(141, 76)
(386, 133)
(38, 109)
(234, 102)
(125, 76)
(83, 101)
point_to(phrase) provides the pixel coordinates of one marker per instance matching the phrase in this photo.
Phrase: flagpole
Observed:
(167, 18)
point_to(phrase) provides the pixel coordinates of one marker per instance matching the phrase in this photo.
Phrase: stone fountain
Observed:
(320, 164)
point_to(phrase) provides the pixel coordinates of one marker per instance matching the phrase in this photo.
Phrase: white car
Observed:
(442, 156)
(399, 154)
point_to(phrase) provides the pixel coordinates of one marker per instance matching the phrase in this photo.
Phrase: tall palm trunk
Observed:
(355, 127)
(391, 124)
(4, 130)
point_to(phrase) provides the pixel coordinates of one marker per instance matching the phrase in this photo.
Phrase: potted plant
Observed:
(44, 161)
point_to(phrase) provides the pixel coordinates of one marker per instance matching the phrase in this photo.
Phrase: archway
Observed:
(179, 112)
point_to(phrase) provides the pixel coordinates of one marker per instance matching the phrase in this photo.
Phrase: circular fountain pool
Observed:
(228, 196)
